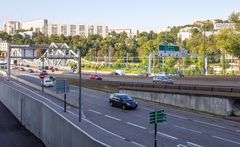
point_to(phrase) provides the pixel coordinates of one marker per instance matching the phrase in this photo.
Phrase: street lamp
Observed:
(80, 82)
(205, 68)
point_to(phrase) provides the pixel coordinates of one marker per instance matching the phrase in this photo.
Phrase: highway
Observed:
(132, 128)
(149, 80)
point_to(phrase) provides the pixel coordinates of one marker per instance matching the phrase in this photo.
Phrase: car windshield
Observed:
(165, 78)
(126, 98)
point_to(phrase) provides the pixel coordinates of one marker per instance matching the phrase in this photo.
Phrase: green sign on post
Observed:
(168, 48)
(154, 118)
(157, 116)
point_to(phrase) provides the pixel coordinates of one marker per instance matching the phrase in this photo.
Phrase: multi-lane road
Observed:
(132, 128)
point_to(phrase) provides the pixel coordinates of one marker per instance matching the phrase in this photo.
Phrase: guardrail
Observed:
(221, 91)
(115, 86)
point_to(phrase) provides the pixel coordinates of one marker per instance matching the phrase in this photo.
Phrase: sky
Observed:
(134, 14)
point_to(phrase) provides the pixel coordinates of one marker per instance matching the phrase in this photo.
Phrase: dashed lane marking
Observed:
(228, 140)
(136, 125)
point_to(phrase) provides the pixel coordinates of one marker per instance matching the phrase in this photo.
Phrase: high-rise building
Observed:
(73, 30)
(11, 27)
(56, 29)
(36, 26)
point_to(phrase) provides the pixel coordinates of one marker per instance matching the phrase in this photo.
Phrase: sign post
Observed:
(42, 76)
(154, 118)
(62, 87)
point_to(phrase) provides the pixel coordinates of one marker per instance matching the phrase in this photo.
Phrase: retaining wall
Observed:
(44, 122)
(215, 105)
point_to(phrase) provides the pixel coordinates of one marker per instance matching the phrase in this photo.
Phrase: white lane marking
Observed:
(138, 144)
(193, 144)
(166, 135)
(57, 112)
(209, 124)
(94, 111)
(136, 125)
(187, 129)
(104, 129)
(226, 139)
(180, 145)
(113, 117)
(176, 116)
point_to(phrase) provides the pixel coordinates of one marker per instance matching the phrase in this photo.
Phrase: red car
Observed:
(95, 77)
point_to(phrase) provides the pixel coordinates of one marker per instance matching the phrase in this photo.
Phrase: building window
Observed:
(90, 30)
(72, 30)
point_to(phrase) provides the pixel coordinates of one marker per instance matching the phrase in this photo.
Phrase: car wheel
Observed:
(111, 104)
(163, 82)
(123, 107)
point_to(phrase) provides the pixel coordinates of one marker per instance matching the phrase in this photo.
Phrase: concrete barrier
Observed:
(215, 105)
(43, 121)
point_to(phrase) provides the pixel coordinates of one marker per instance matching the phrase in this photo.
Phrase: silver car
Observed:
(162, 79)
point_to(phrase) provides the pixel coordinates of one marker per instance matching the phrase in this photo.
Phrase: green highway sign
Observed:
(168, 48)
(157, 116)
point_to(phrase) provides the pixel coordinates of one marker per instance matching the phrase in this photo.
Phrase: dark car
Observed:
(115, 74)
(177, 75)
(123, 101)
(95, 77)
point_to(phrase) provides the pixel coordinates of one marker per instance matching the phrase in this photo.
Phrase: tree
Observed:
(229, 41)
(235, 18)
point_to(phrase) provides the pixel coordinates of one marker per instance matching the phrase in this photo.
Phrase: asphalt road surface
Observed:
(131, 127)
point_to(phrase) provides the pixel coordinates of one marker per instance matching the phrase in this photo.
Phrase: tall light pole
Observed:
(205, 68)
(80, 83)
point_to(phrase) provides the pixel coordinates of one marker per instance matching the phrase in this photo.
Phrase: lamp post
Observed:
(205, 68)
(80, 83)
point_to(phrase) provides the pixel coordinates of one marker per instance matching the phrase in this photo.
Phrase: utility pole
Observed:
(42, 71)
(8, 61)
(205, 56)
(80, 83)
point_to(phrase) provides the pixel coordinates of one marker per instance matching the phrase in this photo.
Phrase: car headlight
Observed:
(128, 104)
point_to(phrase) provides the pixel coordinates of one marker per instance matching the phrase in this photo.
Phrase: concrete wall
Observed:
(46, 123)
(215, 105)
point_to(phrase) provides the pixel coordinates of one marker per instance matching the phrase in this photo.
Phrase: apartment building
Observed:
(36, 26)
(73, 30)
(11, 27)
(221, 26)
(55, 29)
(3, 46)
(185, 33)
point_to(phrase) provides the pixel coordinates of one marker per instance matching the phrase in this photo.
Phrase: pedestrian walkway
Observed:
(13, 134)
